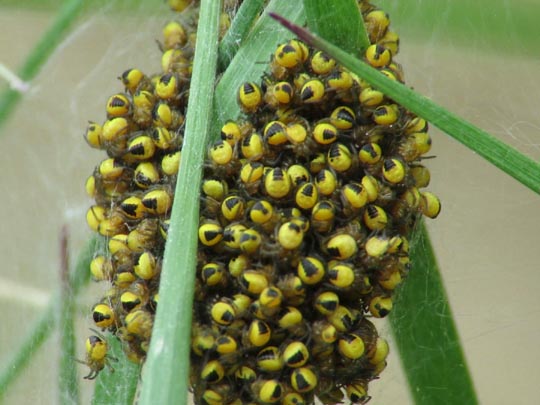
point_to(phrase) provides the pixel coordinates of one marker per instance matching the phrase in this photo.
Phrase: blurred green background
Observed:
(479, 59)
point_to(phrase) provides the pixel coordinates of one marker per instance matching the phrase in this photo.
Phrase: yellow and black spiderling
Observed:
(280, 94)
(325, 133)
(341, 82)
(311, 270)
(210, 233)
(103, 316)
(144, 102)
(370, 153)
(232, 208)
(134, 79)
(321, 64)
(323, 215)
(378, 56)
(369, 97)
(275, 133)
(257, 334)
(326, 302)
(269, 359)
(307, 204)
(312, 92)
(267, 391)
(231, 132)
(118, 105)
(96, 356)
(250, 97)
(343, 117)
(93, 135)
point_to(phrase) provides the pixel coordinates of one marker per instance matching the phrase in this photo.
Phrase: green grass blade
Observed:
(165, 379)
(47, 322)
(119, 386)
(68, 382)
(333, 20)
(252, 58)
(503, 156)
(46, 45)
(426, 335)
(239, 30)
(29, 347)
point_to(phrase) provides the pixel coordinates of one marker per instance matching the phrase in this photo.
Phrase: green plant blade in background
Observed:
(28, 348)
(467, 22)
(46, 324)
(426, 335)
(166, 373)
(39, 55)
(503, 156)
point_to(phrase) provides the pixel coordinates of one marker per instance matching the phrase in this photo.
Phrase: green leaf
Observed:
(251, 59)
(503, 156)
(334, 20)
(240, 27)
(117, 385)
(166, 376)
(426, 335)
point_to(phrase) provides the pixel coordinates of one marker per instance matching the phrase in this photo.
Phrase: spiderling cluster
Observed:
(307, 206)
(308, 202)
(133, 191)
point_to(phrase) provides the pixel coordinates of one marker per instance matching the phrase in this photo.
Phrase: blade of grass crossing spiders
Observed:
(166, 376)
